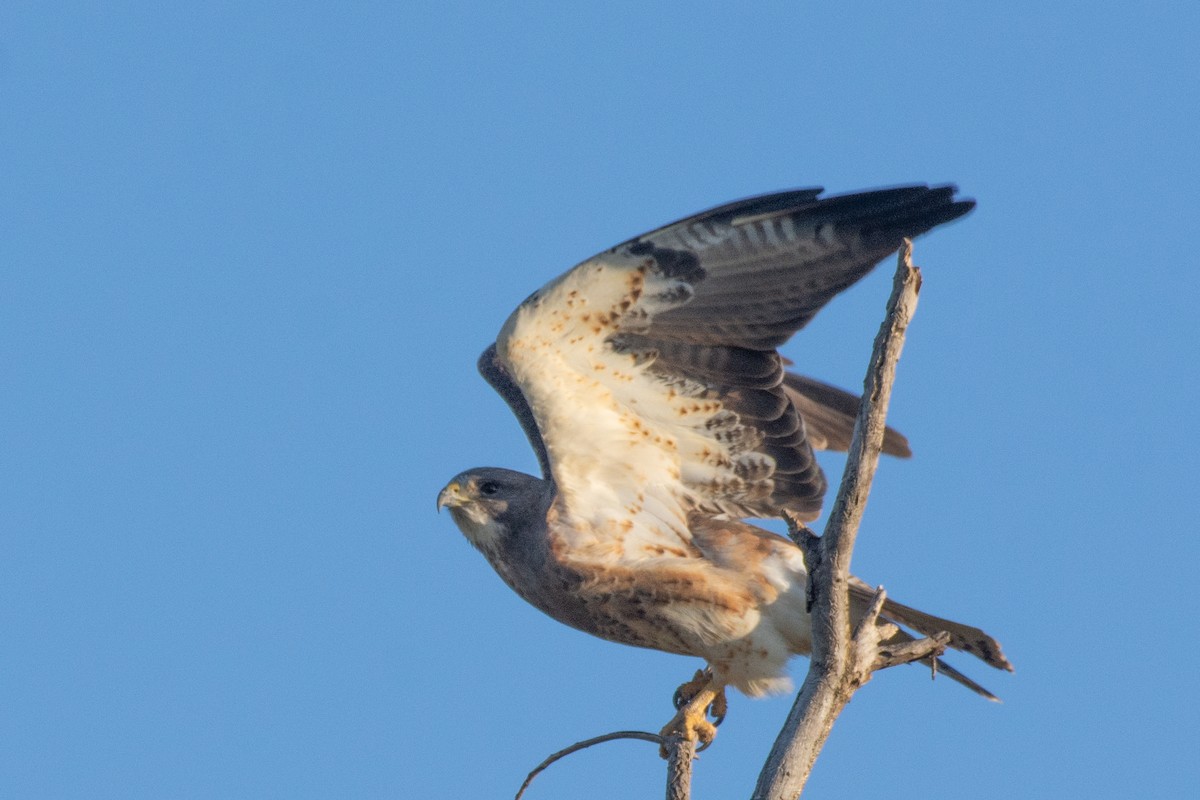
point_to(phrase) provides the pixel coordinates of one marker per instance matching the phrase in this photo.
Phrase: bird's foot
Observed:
(694, 701)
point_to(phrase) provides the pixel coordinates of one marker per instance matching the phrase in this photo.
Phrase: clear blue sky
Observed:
(250, 252)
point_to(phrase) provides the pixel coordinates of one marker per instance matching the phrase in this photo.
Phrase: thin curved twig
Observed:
(608, 737)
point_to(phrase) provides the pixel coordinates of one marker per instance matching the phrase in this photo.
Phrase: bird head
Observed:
(487, 502)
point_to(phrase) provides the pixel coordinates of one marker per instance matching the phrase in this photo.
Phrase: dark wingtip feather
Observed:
(913, 211)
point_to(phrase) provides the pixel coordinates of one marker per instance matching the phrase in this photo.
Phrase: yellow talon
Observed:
(719, 707)
(691, 720)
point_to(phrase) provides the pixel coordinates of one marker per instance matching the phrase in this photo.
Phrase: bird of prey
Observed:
(648, 383)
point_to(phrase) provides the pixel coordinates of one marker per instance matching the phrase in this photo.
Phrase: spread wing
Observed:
(829, 414)
(647, 377)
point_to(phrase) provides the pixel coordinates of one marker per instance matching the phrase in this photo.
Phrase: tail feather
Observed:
(954, 675)
(962, 637)
(829, 413)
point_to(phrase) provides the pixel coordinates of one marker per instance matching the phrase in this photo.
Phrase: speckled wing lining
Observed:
(647, 376)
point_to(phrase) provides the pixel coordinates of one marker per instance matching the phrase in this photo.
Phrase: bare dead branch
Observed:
(869, 624)
(908, 652)
(608, 737)
(681, 752)
(682, 738)
(874, 649)
(837, 669)
(810, 544)
(869, 632)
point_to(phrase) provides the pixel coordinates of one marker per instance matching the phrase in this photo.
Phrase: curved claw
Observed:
(718, 708)
(688, 691)
(684, 694)
(694, 702)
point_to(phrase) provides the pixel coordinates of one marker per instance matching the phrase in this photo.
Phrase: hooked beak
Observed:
(451, 496)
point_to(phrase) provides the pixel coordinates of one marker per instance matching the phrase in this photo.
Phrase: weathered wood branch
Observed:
(586, 743)
(681, 752)
(842, 659)
(908, 652)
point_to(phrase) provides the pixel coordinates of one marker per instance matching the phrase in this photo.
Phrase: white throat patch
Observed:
(480, 529)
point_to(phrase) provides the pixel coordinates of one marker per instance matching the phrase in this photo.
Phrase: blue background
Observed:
(250, 253)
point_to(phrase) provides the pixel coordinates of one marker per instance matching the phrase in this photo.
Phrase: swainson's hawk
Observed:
(648, 382)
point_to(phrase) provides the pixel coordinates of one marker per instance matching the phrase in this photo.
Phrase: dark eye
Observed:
(488, 488)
